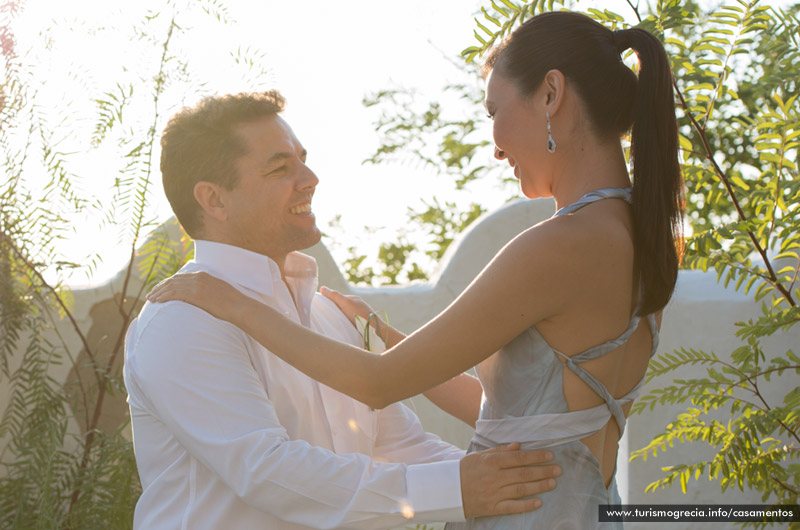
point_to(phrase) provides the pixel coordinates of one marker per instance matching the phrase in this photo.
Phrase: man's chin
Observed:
(312, 238)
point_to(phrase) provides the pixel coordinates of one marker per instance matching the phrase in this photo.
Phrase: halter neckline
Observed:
(596, 195)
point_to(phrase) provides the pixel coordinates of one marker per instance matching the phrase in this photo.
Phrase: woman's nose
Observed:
(499, 153)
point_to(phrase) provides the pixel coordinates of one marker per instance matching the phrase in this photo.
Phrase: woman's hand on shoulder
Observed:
(216, 297)
(349, 304)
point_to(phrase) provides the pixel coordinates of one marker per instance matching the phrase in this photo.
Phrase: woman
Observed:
(562, 323)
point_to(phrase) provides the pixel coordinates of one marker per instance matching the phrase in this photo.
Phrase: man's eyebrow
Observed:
(283, 155)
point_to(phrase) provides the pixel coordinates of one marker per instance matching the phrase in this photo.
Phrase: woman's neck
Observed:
(589, 166)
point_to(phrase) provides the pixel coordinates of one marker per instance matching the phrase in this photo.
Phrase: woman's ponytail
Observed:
(657, 183)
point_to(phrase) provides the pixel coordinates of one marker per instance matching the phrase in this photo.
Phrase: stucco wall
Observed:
(701, 316)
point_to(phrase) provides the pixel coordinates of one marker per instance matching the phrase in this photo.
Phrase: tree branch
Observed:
(724, 179)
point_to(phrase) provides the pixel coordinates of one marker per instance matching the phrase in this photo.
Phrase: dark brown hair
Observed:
(200, 144)
(588, 54)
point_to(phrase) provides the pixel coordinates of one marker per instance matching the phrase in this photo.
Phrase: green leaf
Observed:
(489, 32)
(492, 19)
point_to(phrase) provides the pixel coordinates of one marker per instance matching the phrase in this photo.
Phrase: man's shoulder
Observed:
(174, 317)
(173, 327)
(329, 317)
(175, 314)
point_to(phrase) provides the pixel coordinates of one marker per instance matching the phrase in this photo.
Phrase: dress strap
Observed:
(601, 349)
(600, 389)
(596, 195)
(573, 363)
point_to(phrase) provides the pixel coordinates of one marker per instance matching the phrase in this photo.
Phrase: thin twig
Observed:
(80, 383)
(785, 486)
(49, 288)
(635, 9)
(724, 179)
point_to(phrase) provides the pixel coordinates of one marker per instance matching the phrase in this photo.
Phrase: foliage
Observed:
(455, 146)
(64, 463)
(736, 72)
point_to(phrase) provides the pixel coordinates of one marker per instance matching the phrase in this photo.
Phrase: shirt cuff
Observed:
(434, 491)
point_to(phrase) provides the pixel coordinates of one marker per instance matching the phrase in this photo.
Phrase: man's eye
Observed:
(490, 115)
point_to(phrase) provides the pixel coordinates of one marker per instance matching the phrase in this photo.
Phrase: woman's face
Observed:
(520, 133)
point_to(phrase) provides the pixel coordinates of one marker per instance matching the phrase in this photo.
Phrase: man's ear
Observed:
(210, 198)
(553, 86)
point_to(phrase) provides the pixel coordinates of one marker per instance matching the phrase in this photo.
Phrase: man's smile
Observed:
(301, 209)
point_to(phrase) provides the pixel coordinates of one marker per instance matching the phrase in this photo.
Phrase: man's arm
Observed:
(401, 438)
(489, 479)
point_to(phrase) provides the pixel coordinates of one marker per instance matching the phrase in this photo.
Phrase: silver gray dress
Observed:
(523, 401)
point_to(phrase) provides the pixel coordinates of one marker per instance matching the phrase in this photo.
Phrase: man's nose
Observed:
(499, 153)
(308, 179)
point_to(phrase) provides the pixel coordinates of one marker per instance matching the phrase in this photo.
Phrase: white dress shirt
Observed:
(228, 436)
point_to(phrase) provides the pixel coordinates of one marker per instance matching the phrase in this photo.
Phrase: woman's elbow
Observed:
(376, 399)
(380, 394)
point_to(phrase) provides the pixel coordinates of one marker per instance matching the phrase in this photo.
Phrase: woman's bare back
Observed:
(603, 312)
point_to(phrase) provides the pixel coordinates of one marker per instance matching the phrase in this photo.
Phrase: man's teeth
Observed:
(303, 208)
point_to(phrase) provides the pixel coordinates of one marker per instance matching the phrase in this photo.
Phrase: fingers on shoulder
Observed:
(331, 294)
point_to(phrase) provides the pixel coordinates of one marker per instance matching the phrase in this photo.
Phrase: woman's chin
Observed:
(529, 191)
(536, 194)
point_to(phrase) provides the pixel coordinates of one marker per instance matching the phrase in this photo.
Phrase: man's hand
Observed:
(501, 480)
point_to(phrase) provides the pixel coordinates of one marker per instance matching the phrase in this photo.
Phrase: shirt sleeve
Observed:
(401, 438)
(434, 473)
(193, 372)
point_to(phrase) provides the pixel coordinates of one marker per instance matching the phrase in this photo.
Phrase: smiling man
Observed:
(229, 436)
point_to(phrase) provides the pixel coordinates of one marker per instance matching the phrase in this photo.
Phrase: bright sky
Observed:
(323, 56)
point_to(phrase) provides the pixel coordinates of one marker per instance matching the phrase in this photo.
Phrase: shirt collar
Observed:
(255, 271)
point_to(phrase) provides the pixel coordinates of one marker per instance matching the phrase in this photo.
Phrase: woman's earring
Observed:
(551, 144)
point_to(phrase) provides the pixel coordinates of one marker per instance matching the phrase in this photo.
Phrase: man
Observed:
(229, 436)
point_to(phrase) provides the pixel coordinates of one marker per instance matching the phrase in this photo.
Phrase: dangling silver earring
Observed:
(551, 144)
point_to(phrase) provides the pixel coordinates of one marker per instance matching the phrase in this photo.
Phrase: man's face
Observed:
(269, 209)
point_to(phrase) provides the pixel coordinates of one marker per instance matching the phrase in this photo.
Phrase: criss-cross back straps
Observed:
(614, 405)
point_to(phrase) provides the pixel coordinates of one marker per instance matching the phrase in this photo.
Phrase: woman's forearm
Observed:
(345, 368)
(460, 397)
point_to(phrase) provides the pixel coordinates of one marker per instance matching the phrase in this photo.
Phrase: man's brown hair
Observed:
(200, 144)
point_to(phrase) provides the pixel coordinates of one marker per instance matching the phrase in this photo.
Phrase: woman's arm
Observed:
(529, 280)
(460, 396)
